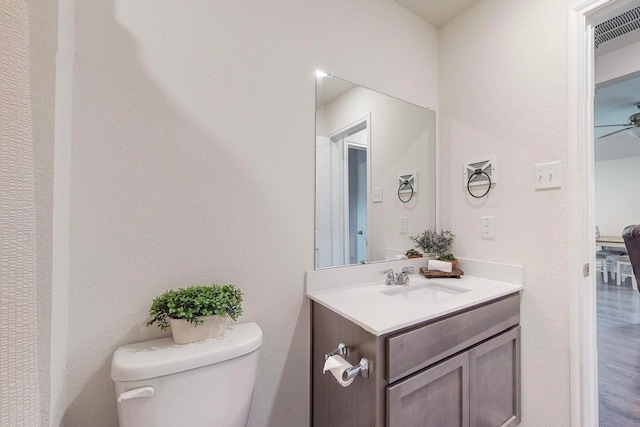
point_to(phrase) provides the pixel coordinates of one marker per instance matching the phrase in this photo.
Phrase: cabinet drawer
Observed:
(416, 349)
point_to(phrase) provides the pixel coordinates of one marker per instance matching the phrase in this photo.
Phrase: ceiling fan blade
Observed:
(618, 131)
(604, 126)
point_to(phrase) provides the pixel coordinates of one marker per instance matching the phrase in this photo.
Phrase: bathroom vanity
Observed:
(440, 352)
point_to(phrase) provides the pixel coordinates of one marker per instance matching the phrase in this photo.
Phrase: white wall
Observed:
(192, 161)
(42, 51)
(60, 258)
(617, 203)
(503, 75)
(20, 389)
(189, 121)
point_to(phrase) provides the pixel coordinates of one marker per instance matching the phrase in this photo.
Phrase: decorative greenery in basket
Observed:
(195, 302)
(435, 243)
(412, 253)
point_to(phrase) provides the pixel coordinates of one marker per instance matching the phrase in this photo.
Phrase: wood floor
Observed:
(618, 354)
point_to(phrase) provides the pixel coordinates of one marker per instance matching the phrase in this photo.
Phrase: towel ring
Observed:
(405, 183)
(479, 172)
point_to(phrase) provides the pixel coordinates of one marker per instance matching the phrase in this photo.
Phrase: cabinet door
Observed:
(438, 396)
(495, 381)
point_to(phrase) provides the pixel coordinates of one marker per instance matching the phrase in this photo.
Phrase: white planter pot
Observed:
(185, 332)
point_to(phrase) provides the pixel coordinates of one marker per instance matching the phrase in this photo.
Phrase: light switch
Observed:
(403, 224)
(548, 175)
(376, 194)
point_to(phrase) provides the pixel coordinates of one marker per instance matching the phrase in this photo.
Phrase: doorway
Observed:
(616, 162)
(343, 163)
(583, 319)
(357, 197)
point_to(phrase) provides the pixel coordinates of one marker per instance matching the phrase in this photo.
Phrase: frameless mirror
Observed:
(375, 173)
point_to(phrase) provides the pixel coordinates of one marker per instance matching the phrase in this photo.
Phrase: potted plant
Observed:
(412, 253)
(197, 312)
(437, 244)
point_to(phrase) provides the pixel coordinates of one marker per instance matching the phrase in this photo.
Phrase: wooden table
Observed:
(610, 241)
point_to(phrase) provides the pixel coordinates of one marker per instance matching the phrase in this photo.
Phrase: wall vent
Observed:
(617, 26)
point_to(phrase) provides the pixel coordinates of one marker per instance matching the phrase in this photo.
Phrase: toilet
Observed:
(203, 384)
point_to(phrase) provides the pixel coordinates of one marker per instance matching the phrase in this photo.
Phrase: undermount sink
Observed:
(424, 293)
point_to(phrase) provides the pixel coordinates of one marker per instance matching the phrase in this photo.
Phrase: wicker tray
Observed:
(431, 274)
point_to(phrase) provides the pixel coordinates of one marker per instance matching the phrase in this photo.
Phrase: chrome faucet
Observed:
(403, 277)
(391, 278)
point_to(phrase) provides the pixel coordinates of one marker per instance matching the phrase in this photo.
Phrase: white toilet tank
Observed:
(203, 384)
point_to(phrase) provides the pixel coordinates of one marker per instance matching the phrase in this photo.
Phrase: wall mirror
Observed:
(375, 173)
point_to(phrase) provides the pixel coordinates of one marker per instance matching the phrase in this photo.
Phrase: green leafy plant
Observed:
(412, 252)
(194, 302)
(435, 243)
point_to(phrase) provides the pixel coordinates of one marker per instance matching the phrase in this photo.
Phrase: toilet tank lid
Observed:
(151, 359)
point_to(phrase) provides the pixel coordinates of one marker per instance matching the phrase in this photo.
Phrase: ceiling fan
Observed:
(633, 126)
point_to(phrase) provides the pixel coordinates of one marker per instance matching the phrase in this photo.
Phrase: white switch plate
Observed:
(486, 227)
(403, 224)
(376, 194)
(548, 175)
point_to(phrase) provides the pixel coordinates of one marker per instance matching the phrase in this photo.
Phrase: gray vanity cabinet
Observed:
(462, 369)
(477, 388)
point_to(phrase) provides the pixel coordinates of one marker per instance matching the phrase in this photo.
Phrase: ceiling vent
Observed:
(617, 26)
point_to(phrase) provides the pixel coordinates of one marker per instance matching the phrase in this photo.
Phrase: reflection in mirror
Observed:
(369, 146)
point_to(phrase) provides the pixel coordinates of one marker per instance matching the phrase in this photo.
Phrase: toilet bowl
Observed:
(203, 384)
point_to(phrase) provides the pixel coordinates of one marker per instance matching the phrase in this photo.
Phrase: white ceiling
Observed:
(330, 88)
(436, 12)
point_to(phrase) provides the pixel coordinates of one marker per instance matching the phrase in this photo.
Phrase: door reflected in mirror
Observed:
(367, 143)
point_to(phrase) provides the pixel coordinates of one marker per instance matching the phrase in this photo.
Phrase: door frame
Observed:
(347, 197)
(362, 123)
(581, 227)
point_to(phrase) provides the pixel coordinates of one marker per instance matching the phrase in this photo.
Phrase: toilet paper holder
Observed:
(341, 351)
(361, 369)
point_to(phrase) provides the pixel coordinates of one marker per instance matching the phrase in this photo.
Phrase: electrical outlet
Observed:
(403, 224)
(548, 175)
(486, 227)
(376, 194)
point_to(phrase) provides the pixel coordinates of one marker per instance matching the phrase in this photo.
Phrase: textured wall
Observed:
(19, 377)
(192, 161)
(43, 18)
(503, 75)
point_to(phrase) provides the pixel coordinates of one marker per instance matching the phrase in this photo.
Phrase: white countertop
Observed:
(379, 314)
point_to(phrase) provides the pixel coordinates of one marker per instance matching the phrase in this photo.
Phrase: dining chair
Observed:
(601, 266)
(625, 270)
(631, 237)
(604, 264)
(607, 262)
